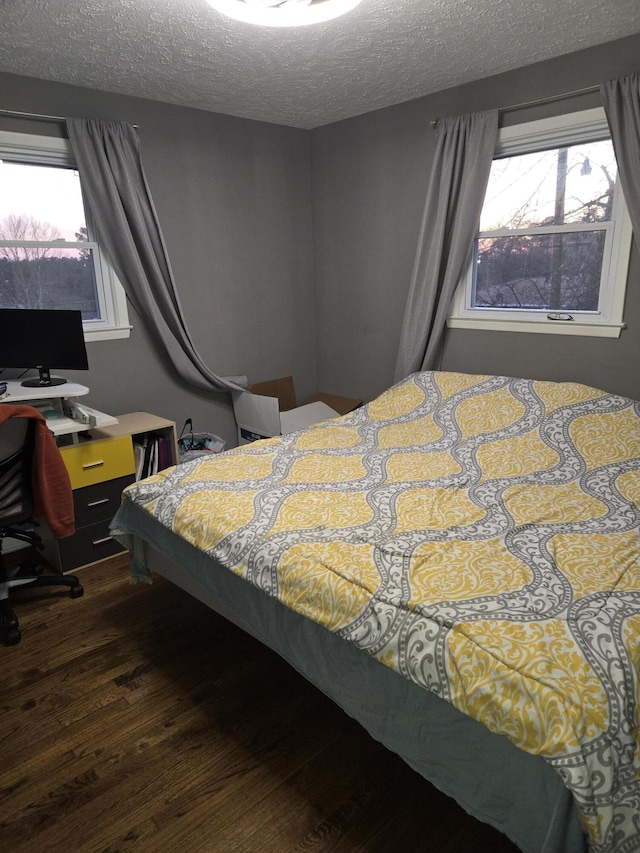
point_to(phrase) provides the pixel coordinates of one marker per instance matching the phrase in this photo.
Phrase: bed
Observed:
(456, 564)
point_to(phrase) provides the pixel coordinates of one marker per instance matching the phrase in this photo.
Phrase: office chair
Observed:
(17, 441)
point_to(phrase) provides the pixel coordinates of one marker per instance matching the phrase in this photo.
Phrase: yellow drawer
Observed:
(98, 461)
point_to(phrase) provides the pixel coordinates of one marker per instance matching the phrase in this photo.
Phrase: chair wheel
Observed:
(12, 637)
(76, 591)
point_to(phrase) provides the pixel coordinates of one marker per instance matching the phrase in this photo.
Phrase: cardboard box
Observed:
(269, 408)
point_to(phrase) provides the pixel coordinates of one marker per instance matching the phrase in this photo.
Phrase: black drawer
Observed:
(87, 545)
(100, 501)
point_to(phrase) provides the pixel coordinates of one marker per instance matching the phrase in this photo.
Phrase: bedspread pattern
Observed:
(477, 534)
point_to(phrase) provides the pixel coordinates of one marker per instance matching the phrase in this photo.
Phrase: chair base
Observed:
(29, 575)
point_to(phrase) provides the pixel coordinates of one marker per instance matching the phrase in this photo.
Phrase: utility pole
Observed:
(557, 252)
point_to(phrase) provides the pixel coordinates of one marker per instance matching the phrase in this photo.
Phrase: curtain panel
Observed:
(621, 99)
(459, 175)
(108, 158)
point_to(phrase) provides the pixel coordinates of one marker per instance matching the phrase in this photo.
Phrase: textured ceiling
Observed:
(381, 53)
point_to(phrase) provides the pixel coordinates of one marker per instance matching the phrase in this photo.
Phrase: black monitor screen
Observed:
(42, 339)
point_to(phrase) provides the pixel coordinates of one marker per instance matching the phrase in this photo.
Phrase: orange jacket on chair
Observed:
(52, 493)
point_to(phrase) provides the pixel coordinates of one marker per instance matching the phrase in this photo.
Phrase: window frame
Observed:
(569, 129)
(57, 152)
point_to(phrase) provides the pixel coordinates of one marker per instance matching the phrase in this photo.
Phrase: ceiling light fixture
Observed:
(283, 13)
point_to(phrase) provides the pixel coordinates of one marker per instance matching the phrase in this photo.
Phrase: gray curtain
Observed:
(621, 99)
(459, 175)
(108, 158)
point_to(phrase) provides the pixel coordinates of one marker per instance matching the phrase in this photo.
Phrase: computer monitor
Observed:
(42, 339)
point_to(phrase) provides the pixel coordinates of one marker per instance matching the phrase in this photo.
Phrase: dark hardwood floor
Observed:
(135, 719)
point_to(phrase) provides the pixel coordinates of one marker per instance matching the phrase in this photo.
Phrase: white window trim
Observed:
(30, 148)
(584, 126)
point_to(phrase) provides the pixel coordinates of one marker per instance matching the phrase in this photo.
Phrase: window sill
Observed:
(543, 327)
(107, 334)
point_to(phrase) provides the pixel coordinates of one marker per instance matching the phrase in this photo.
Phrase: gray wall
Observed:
(369, 181)
(233, 198)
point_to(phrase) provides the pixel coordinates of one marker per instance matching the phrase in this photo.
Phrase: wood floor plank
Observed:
(135, 719)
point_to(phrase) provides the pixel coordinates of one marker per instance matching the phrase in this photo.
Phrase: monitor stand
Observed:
(44, 380)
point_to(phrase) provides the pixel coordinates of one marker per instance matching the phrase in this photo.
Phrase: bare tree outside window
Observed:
(42, 264)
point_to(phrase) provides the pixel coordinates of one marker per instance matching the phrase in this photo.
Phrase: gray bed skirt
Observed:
(517, 793)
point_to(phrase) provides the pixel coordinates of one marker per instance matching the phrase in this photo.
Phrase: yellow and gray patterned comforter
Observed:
(477, 534)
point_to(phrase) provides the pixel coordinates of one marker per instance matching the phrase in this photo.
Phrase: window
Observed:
(49, 253)
(552, 250)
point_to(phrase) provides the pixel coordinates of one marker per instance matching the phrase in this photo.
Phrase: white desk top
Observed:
(17, 393)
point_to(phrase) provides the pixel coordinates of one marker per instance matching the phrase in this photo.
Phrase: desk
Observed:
(65, 421)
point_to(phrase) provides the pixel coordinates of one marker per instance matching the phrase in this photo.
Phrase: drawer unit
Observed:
(100, 466)
(97, 461)
(100, 501)
(87, 545)
(94, 507)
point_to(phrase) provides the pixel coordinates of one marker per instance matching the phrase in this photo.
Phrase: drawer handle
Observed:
(93, 464)
(102, 541)
(98, 503)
